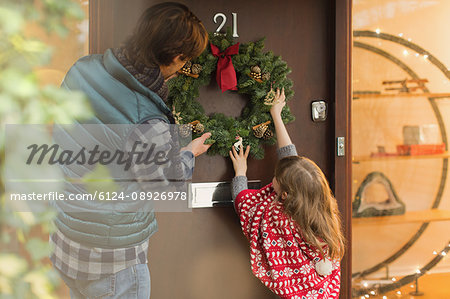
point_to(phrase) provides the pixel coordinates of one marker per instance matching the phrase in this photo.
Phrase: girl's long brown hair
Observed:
(311, 204)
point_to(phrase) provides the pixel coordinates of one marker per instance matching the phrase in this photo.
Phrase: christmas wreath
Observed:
(256, 74)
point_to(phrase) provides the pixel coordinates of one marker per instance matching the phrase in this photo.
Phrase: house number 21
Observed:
(224, 20)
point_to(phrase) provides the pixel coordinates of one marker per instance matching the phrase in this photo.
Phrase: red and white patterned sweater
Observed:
(280, 258)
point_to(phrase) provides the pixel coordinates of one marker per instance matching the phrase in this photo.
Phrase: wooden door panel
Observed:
(299, 33)
(204, 254)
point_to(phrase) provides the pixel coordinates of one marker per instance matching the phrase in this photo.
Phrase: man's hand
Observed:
(197, 146)
(240, 160)
(171, 77)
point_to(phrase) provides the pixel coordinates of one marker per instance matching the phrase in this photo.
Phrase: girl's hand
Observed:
(240, 160)
(278, 103)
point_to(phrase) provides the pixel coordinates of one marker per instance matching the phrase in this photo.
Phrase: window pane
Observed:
(401, 115)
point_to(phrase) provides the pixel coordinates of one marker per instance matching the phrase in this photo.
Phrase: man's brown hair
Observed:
(164, 31)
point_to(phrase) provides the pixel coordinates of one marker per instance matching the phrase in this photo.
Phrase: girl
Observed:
(293, 223)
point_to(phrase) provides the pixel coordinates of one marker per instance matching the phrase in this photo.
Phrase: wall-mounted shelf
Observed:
(358, 159)
(400, 95)
(431, 215)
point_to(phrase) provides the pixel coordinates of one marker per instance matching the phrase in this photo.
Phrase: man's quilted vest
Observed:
(116, 98)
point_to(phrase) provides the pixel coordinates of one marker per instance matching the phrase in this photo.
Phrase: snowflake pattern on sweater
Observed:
(279, 256)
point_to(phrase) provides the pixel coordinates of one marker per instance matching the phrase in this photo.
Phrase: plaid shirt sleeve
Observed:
(159, 137)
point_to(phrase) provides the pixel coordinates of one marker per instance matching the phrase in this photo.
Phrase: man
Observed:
(104, 253)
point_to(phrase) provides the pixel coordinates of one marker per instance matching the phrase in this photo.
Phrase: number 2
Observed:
(224, 20)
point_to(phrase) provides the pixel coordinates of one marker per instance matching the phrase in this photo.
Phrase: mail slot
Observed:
(214, 194)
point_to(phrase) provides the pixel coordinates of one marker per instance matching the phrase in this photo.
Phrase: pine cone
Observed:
(185, 130)
(199, 128)
(256, 69)
(268, 134)
(259, 131)
(266, 76)
(188, 64)
(196, 69)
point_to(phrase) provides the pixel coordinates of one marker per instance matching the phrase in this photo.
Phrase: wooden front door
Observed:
(203, 254)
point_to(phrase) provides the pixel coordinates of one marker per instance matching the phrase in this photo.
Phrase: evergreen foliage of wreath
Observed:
(184, 90)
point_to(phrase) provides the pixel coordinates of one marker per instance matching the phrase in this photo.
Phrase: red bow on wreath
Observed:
(225, 73)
